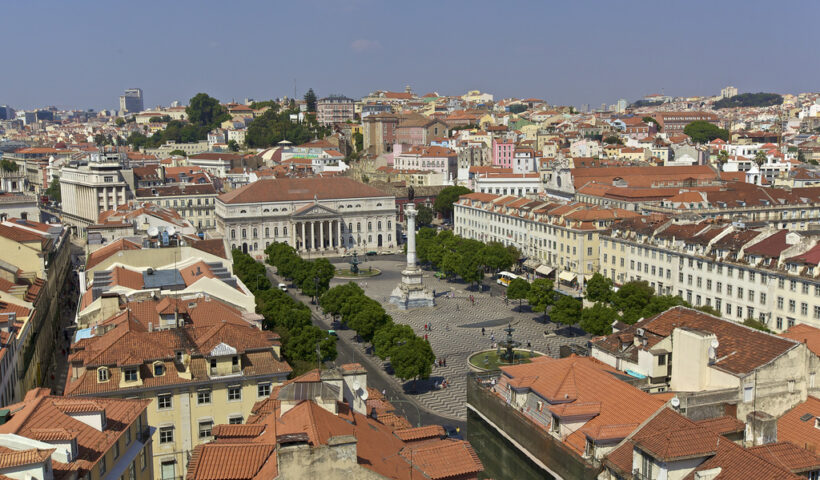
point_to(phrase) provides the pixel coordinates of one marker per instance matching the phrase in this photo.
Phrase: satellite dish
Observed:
(715, 343)
(356, 386)
(675, 402)
(364, 395)
(171, 231)
(153, 231)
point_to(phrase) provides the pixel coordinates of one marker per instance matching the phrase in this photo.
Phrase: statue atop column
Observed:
(411, 293)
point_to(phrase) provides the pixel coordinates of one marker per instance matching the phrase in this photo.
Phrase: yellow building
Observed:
(196, 373)
(47, 437)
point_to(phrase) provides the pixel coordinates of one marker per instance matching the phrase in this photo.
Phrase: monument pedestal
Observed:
(410, 293)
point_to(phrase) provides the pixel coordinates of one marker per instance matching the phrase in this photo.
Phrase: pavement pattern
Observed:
(455, 334)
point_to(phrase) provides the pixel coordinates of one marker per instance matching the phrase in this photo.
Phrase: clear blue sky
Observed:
(83, 54)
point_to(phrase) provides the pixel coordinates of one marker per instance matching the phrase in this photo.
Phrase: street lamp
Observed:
(316, 289)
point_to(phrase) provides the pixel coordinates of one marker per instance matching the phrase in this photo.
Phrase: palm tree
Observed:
(760, 157)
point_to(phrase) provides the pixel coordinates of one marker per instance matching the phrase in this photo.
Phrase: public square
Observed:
(455, 329)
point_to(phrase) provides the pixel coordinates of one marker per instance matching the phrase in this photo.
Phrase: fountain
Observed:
(509, 345)
(354, 264)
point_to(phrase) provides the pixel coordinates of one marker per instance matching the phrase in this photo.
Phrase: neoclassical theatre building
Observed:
(317, 214)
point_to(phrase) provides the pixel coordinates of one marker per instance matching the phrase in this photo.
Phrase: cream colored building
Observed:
(317, 215)
(194, 375)
(89, 189)
(768, 275)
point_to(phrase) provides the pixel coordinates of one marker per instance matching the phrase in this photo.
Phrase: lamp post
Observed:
(316, 289)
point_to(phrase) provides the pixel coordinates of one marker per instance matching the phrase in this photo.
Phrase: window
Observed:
(132, 471)
(236, 420)
(234, 393)
(263, 390)
(128, 436)
(780, 303)
(102, 465)
(762, 298)
(166, 434)
(164, 400)
(661, 360)
(205, 427)
(143, 459)
(804, 308)
(168, 470)
(203, 397)
(748, 394)
(116, 450)
(792, 306)
(719, 287)
(102, 374)
(159, 369)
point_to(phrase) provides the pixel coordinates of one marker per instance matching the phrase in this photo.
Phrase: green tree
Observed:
(649, 119)
(302, 344)
(631, 299)
(425, 240)
(119, 122)
(613, 140)
(233, 146)
(750, 100)
(498, 257)
(471, 267)
(757, 325)
(53, 190)
(446, 197)
(709, 309)
(319, 274)
(273, 126)
(266, 103)
(8, 165)
(598, 319)
(541, 295)
(566, 311)
(205, 111)
(425, 215)
(518, 290)
(760, 157)
(369, 319)
(177, 153)
(722, 157)
(310, 100)
(333, 300)
(599, 288)
(388, 338)
(701, 131)
(413, 359)
(358, 141)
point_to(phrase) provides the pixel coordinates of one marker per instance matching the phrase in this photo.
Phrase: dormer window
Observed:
(130, 374)
(178, 356)
(159, 369)
(103, 375)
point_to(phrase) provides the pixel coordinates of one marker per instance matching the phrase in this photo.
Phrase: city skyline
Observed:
(564, 53)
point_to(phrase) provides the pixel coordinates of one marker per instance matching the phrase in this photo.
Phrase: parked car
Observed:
(283, 287)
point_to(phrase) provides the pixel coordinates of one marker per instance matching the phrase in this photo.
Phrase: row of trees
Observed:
(462, 257)
(541, 296)
(273, 126)
(284, 315)
(411, 356)
(312, 277)
(750, 100)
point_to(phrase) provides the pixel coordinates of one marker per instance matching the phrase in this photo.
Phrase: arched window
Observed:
(349, 227)
(267, 244)
(255, 246)
(103, 374)
(241, 211)
(244, 233)
(358, 226)
(233, 234)
(254, 232)
(379, 204)
(389, 237)
(380, 225)
(266, 210)
(267, 232)
(233, 246)
(275, 232)
(369, 226)
(389, 224)
(370, 239)
(285, 231)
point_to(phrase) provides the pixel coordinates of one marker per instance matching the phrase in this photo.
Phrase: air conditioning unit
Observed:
(640, 332)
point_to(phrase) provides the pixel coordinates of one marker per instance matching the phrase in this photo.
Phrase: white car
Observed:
(283, 287)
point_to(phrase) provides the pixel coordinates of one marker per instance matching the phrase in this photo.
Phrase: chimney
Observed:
(761, 428)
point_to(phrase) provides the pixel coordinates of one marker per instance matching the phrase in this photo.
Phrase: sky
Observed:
(84, 54)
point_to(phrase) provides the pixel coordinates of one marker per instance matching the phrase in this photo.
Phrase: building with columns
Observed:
(317, 215)
(88, 189)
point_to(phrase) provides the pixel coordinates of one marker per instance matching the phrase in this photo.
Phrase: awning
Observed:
(531, 263)
(544, 270)
(566, 276)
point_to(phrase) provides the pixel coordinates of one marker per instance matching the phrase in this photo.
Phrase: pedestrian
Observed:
(444, 361)
(529, 345)
(492, 337)
(384, 392)
(425, 327)
(457, 309)
(425, 336)
(434, 293)
(482, 331)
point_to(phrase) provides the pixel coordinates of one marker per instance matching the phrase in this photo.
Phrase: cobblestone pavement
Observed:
(456, 332)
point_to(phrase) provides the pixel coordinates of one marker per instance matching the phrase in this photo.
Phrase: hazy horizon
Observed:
(85, 55)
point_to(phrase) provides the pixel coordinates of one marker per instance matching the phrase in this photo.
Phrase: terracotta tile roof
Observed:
(420, 433)
(584, 380)
(791, 427)
(216, 461)
(238, 431)
(805, 333)
(16, 458)
(723, 425)
(741, 349)
(670, 436)
(787, 455)
(450, 459)
(97, 256)
(736, 463)
(296, 189)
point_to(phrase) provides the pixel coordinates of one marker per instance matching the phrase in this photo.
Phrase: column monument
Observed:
(410, 293)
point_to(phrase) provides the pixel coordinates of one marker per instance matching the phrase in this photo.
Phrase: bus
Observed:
(504, 278)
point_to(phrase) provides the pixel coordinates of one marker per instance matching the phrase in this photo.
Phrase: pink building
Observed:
(503, 153)
(430, 159)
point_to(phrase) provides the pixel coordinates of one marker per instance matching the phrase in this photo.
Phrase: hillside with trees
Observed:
(750, 100)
